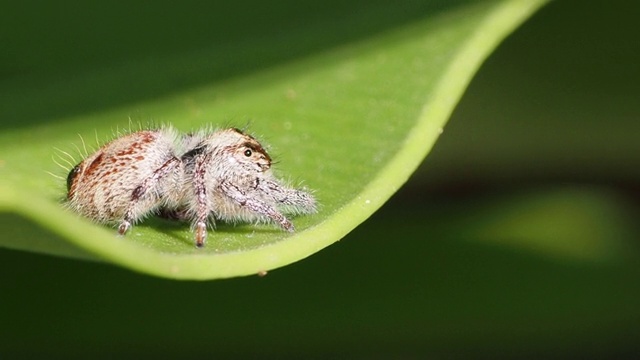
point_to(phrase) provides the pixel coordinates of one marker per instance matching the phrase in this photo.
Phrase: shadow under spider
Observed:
(175, 228)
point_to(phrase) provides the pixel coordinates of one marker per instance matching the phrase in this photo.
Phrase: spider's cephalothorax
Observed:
(223, 175)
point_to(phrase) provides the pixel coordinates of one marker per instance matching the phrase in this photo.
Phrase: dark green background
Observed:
(555, 107)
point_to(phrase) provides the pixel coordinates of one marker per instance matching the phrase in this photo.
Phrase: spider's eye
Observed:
(247, 153)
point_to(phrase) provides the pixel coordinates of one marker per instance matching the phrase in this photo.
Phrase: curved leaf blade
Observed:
(353, 123)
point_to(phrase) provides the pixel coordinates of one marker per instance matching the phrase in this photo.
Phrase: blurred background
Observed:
(518, 236)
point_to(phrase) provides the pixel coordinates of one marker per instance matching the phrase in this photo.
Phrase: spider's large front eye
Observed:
(247, 153)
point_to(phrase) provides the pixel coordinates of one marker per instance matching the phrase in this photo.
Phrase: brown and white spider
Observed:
(202, 176)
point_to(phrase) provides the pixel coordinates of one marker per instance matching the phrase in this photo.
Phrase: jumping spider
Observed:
(198, 177)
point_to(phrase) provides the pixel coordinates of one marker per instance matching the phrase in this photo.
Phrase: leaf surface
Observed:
(350, 118)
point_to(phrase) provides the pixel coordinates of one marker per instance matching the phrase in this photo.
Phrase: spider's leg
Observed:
(149, 186)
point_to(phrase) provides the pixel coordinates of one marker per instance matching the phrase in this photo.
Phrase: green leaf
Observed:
(350, 103)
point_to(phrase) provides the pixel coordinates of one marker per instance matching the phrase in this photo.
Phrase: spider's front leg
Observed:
(300, 201)
(256, 205)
